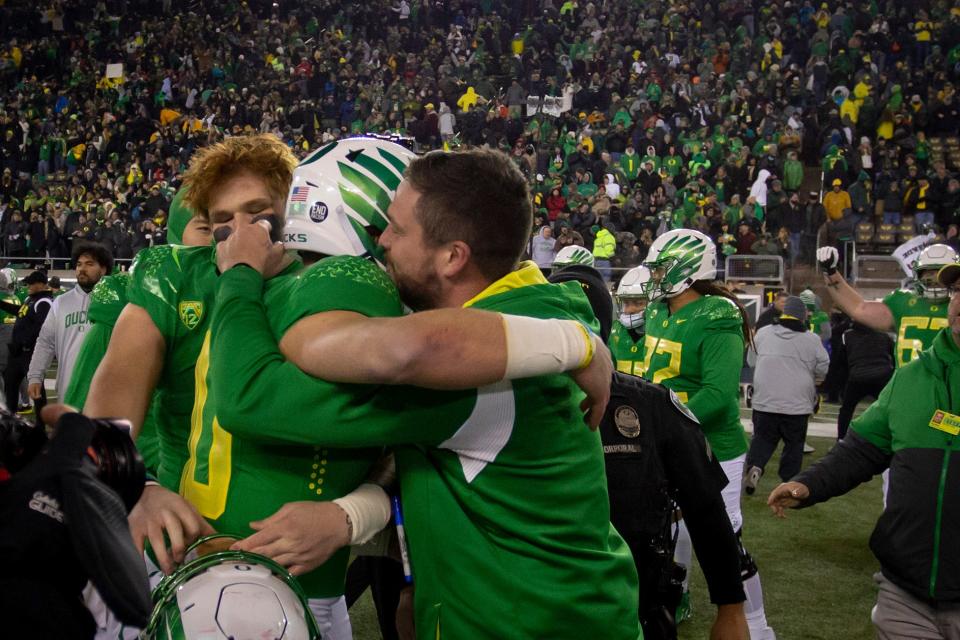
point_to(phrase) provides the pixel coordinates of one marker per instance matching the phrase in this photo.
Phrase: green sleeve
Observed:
(108, 299)
(92, 350)
(721, 357)
(262, 385)
(155, 286)
(874, 424)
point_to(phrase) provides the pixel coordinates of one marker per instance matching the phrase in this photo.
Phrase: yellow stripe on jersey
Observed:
(209, 498)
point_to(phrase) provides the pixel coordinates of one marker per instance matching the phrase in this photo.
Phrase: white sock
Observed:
(683, 554)
(753, 609)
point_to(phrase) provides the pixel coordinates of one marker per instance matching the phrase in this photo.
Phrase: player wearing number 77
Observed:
(694, 345)
(916, 314)
(911, 430)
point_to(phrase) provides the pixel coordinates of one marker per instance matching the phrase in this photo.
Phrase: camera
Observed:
(112, 452)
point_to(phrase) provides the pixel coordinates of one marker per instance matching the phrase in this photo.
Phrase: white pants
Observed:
(753, 607)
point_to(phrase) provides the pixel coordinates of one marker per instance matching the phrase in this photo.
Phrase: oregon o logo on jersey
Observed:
(191, 313)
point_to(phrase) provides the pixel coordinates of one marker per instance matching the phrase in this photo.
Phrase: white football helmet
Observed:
(633, 293)
(230, 595)
(574, 254)
(677, 259)
(339, 196)
(8, 280)
(925, 269)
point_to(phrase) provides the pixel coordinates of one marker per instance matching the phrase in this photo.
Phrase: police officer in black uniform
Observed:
(30, 317)
(658, 464)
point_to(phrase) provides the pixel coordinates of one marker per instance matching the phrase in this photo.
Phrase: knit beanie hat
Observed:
(795, 308)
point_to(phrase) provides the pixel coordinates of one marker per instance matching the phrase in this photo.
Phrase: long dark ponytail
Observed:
(708, 288)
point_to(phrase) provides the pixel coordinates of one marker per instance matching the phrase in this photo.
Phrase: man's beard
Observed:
(420, 294)
(87, 284)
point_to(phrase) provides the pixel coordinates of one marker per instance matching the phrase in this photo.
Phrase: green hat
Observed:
(179, 216)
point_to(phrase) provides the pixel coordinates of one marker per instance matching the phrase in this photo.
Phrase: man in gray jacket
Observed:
(788, 361)
(63, 330)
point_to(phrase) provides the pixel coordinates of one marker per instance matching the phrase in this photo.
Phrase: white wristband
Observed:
(368, 508)
(540, 347)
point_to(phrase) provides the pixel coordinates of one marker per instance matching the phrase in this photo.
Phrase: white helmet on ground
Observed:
(574, 254)
(632, 296)
(339, 196)
(927, 266)
(677, 259)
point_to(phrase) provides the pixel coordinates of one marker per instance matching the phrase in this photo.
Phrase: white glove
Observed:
(828, 258)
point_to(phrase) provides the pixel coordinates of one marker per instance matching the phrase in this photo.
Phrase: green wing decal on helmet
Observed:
(580, 256)
(573, 254)
(340, 196)
(397, 163)
(680, 258)
(368, 187)
(390, 179)
(319, 154)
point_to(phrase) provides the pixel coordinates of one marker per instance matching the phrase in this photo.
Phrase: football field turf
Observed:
(815, 566)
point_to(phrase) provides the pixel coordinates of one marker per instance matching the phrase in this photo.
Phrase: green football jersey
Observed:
(917, 322)
(9, 318)
(175, 285)
(503, 488)
(107, 300)
(233, 479)
(627, 352)
(819, 324)
(698, 352)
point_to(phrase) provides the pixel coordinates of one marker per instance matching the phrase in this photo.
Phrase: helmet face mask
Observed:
(632, 297)
(677, 259)
(339, 196)
(925, 270)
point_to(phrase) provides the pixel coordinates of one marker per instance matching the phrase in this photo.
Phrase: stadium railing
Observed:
(877, 270)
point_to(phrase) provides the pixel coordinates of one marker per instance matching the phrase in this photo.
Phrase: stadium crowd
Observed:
(713, 116)
(735, 127)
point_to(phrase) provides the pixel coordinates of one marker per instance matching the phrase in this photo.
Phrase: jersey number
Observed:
(209, 494)
(909, 349)
(672, 370)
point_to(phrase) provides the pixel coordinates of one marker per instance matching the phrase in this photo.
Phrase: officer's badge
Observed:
(627, 421)
(191, 312)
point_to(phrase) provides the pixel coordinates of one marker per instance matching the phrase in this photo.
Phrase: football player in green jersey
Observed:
(107, 301)
(498, 513)
(916, 315)
(626, 339)
(694, 345)
(162, 335)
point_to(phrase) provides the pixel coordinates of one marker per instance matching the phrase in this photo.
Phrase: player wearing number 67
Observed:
(916, 314)
(694, 345)
(911, 430)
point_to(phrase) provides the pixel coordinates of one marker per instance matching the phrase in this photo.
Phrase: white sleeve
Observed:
(45, 349)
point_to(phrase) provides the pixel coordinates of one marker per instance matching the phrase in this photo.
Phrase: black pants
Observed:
(17, 366)
(384, 576)
(768, 430)
(853, 393)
